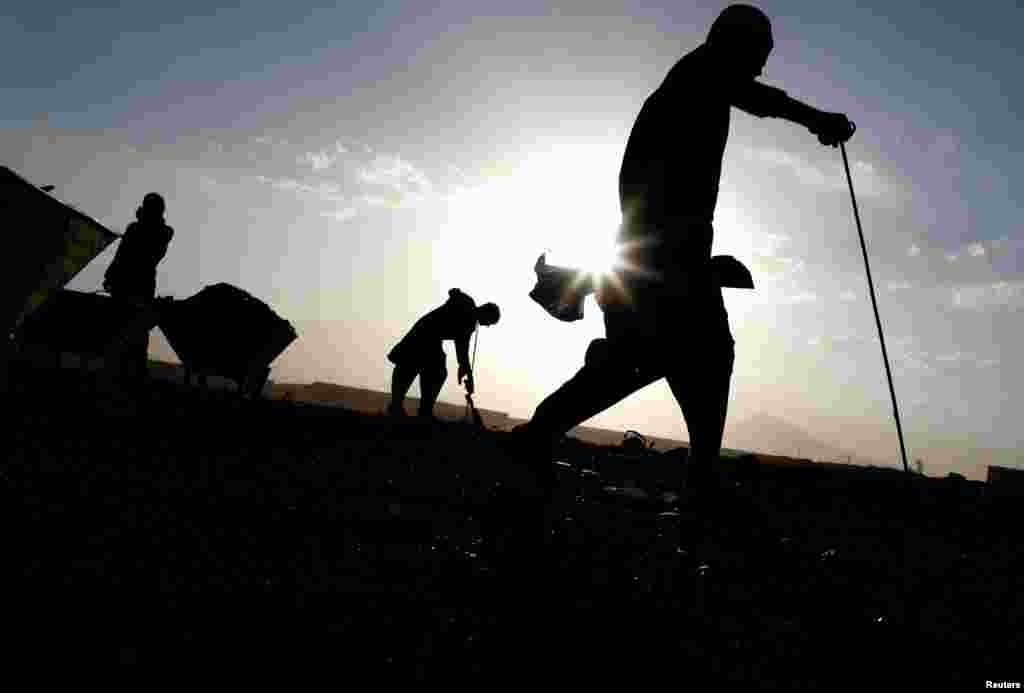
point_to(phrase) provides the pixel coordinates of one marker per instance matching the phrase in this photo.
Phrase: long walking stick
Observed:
(874, 304)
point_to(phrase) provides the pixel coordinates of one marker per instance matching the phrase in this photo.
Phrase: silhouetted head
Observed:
(741, 39)
(487, 314)
(152, 206)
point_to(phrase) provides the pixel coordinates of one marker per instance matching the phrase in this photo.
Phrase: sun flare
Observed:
(562, 202)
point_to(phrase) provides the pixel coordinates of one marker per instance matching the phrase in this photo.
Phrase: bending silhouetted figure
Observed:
(420, 352)
(131, 276)
(663, 311)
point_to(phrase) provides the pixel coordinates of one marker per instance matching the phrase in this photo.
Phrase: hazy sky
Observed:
(350, 165)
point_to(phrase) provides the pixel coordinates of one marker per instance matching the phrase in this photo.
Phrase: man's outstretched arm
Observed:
(462, 356)
(770, 102)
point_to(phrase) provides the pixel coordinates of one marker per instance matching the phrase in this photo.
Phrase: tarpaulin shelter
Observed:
(48, 243)
(225, 331)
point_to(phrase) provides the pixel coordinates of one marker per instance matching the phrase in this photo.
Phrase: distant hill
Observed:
(942, 457)
(775, 436)
(767, 436)
(375, 402)
(763, 434)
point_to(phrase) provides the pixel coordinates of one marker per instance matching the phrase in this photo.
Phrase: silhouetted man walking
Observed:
(421, 353)
(663, 312)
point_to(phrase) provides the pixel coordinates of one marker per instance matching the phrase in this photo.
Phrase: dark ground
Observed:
(208, 530)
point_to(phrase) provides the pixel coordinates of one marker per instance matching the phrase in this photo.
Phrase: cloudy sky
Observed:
(350, 165)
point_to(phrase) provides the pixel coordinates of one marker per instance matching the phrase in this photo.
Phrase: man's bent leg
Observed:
(701, 387)
(432, 377)
(126, 356)
(604, 380)
(401, 381)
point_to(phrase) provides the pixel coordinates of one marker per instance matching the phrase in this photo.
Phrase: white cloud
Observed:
(864, 167)
(328, 192)
(980, 297)
(867, 180)
(319, 161)
(803, 170)
(913, 361)
(342, 215)
(340, 178)
(850, 339)
(802, 297)
(267, 141)
(396, 173)
(769, 262)
(973, 249)
(325, 158)
(907, 355)
(769, 245)
(898, 286)
(777, 265)
(966, 359)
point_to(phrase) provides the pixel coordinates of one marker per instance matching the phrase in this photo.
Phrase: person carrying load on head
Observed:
(420, 351)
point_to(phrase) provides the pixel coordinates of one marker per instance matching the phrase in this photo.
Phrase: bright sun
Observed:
(577, 201)
(563, 202)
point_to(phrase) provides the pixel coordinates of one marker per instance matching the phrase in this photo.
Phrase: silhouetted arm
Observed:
(160, 249)
(764, 101)
(770, 102)
(462, 354)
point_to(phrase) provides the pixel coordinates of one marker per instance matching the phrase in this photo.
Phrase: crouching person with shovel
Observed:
(420, 351)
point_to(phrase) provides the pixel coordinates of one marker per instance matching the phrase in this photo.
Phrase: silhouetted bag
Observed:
(561, 290)
(730, 273)
(77, 322)
(225, 331)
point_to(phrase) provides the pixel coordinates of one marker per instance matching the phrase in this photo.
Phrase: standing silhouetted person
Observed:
(131, 276)
(663, 311)
(421, 353)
